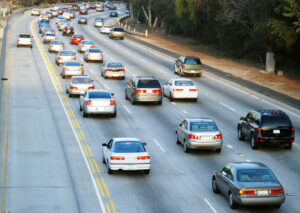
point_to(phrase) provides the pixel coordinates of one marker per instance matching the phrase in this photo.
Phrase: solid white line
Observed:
(76, 137)
(126, 109)
(229, 146)
(173, 103)
(247, 160)
(255, 97)
(210, 206)
(185, 112)
(228, 107)
(159, 146)
(105, 86)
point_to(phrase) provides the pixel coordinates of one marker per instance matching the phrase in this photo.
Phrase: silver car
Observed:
(56, 46)
(85, 45)
(78, 85)
(248, 183)
(49, 37)
(93, 54)
(113, 69)
(98, 101)
(24, 39)
(106, 29)
(71, 68)
(126, 154)
(199, 133)
(117, 32)
(65, 55)
(98, 23)
(63, 25)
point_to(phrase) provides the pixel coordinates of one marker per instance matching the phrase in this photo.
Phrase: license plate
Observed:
(262, 193)
(205, 138)
(276, 131)
(100, 108)
(149, 91)
(193, 71)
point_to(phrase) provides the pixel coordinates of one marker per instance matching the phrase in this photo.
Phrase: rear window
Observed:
(119, 29)
(255, 175)
(94, 51)
(128, 147)
(275, 120)
(192, 61)
(67, 53)
(184, 83)
(87, 42)
(100, 95)
(82, 80)
(24, 36)
(56, 43)
(72, 63)
(148, 84)
(114, 64)
(50, 34)
(78, 36)
(203, 126)
(107, 26)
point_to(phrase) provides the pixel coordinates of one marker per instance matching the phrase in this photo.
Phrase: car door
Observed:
(107, 150)
(228, 182)
(183, 131)
(221, 181)
(167, 87)
(247, 124)
(128, 88)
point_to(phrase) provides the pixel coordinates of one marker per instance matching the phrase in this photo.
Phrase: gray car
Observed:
(199, 133)
(98, 101)
(248, 184)
(65, 55)
(78, 85)
(71, 68)
(117, 32)
(143, 89)
(113, 69)
(85, 45)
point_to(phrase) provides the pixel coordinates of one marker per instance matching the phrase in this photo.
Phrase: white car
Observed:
(182, 88)
(35, 12)
(106, 29)
(24, 39)
(56, 46)
(126, 154)
(67, 16)
(93, 54)
(49, 37)
(85, 45)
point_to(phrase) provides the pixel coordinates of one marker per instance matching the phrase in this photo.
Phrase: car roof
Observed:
(248, 165)
(145, 77)
(199, 119)
(80, 76)
(270, 112)
(180, 79)
(98, 90)
(125, 139)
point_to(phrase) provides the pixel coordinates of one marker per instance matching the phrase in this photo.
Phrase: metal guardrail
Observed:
(128, 29)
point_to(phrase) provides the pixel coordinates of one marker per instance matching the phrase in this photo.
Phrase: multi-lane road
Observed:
(51, 158)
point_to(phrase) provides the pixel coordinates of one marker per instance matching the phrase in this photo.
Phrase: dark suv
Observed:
(143, 89)
(267, 127)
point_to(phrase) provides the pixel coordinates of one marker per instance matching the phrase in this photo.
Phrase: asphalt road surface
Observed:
(51, 158)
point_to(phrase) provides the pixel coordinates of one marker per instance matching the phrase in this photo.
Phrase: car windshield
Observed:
(128, 147)
(72, 63)
(82, 80)
(192, 61)
(275, 120)
(255, 175)
(184, 83)
(24, 36)
(114, 64)
(87, 42)
(67, 53)
(149, 83)
(94, 50)
(99, 94)
(199, 126)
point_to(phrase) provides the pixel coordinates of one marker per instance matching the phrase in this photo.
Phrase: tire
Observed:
(253, 141)
(103, 160)
(110, 171)
(18, 45)
(159, 103)
(114, 115)
(277, 206)
(126, 97)
(181, 73)
(177, 140)
(147, 171)
(171, 98)
(241, 136)
(185, 148)
(70, 95)
(232, 203)
(80, 108)
(288, 146)
(175, 70)
(31, 46)
(104, 76)
(218, 150)
(133, 101)
(214, 186)
(84, 114)
(122, 38)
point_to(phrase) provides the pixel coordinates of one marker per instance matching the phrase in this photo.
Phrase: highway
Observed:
(51, 158)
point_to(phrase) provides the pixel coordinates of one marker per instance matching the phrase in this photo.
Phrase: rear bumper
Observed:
(150, 98)
(94, 58)
(275, 140)
(205, 145)
(55, 49)
(24, 44)
(260, 200)
(130, 167)
(100, 109)
(73, 72)
(182, 95)
(115, 74)
(77, 91)
(192, 72)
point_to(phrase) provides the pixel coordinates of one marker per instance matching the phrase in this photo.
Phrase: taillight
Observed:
(193, 90)
(183, 67)
(108, 70)
(66, 68)
(74, 88)
(293, 130)
(117, 158)
(51, 45)
(201, 67)
(177, 90)
(247, 192)
(143, 158)
(112, 102)
(259, 130)
(140, 91)
(122, 70)
(89, 102)
(63, 46)
(30, 40)
(157, 91)
(277, 191)
(82, 45)
(91, 88)
(74, 58)
(18, 40)
(218, 136)
(59, 58)
(93, 46)
(80, 68)
(192, 136)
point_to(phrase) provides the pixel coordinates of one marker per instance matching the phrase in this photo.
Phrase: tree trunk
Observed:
(155, 22)
(131, 10)
(149, 16)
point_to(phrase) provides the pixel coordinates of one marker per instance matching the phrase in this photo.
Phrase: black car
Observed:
(68, 30)
(266, 127)
(113, 14)
(248, 183)
(82, 20)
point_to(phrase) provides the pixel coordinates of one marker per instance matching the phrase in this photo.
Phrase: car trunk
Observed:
(131, 158)
(192, 66)
(100, 102)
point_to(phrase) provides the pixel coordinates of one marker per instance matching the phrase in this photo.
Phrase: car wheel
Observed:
(67, 90)
(175, 69)
(147, 171)
(70, 95)
(241, 136)
(218, 150)
(31, 46)
(104, 76)
(171, 97)
(114, 114)
(181, 72)
(254, 143)
(277, 206)
(232, 203)
(18, 45)
(126, 97)
(84, 114)
(159, 103)
(214, 186)
(185, 148)
(80, 108)
(199, 75)
(103, 160)
(177, 140)
(195, 100)
(288, 145)
(110, 171)
(132, 100)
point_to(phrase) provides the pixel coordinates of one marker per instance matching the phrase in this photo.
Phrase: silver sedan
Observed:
(93, 54)
(78, 85)
(98, 101)
(199, 133)
(65, 55)
(85, 45)
(56, 46)
(72, 68)
(113, 69)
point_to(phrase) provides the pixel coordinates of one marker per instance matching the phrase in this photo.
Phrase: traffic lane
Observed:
(39, 170)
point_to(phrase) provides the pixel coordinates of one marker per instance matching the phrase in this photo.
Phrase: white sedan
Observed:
(125, 154)
(182, 88)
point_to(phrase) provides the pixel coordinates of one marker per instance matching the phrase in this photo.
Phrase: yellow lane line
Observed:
(84, 148)
(107, 207)
(92, 166)
(113, 206)
(100, 187)
(83, 136)
(89, 148)
(105, 187)
(96, 165)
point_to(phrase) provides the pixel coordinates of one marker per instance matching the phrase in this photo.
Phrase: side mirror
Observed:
(104, 144)
(113, 94)
(145, 144)
(242, 118)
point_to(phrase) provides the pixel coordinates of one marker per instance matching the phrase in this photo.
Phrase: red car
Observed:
(76, 39)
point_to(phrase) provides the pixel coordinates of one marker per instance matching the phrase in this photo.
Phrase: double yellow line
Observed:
(109, 204)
